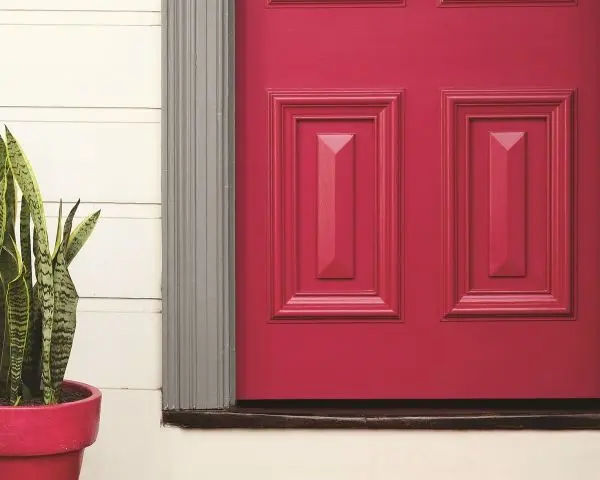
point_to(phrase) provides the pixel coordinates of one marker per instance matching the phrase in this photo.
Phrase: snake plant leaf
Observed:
(23, 173)
(31, 362)
(4, 348)
(65, 308)
(9, 269)
(8, 272)
(5, 353)
(3, 184)
(9, 265)
(17, 313)
(58, 231)
(10, 201)
(25, 239)
(80, 235)
(33, 352)
(4, 345)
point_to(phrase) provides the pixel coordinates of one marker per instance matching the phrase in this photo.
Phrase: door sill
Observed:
(568, 414)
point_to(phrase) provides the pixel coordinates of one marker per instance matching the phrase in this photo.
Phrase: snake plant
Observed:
(38, 300)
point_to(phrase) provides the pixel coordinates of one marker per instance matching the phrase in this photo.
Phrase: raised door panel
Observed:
(508, 161)
(335, 205)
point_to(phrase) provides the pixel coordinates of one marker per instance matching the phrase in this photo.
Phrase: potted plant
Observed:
(45, 421)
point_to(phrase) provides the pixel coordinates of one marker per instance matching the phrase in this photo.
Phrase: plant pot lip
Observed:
(40, 430)
(94, 395)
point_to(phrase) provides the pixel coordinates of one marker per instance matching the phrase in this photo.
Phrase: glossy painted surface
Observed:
(467, 194)
(314, 218)
(335, 210)
(508, 158)
(48, 441)
(471, 204)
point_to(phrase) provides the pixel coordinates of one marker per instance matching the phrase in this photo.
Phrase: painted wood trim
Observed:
(198, 203)
(568, 414)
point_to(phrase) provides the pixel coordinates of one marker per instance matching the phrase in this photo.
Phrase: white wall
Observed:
(80, 87)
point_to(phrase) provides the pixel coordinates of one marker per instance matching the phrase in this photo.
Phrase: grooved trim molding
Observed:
(197, 198)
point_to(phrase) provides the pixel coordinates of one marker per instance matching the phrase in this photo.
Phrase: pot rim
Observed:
(94, 395)
(41, 430)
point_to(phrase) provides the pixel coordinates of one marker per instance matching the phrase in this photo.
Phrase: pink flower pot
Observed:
(47, 442)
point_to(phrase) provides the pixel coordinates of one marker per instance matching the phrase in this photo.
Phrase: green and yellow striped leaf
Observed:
(11, 207)
(65, 308)
(4, 345)
(3, 185)
(10, 270)
(23, 173)
(58, 239)
(17, 313)
(5, 353)
(31, 362)
(80, 235)
(25, 240)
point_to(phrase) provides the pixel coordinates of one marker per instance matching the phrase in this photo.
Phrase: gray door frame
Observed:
(198, 203)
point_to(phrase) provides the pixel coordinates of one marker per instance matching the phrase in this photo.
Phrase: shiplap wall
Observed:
(80, 87)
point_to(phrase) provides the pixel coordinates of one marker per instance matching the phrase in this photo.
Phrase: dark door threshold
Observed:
(574, 414)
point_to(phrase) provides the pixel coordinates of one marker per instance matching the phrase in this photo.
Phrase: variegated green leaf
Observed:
(65, 309)
(10, 205)
(25, 240)
(8, 272)
(3, 156)
(9, 266)
(17, 312)
(5, 353)
(3, 183)
(80, 235)
(23, 172)
(31, 362)
(4, 345)
(58, 239)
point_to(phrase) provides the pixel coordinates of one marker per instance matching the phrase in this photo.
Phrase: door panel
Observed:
(508, 160)
(417, 199)
(334, 205)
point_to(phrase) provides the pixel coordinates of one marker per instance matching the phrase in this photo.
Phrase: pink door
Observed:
(417, 199)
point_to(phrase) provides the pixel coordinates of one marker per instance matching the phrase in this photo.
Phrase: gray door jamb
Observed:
(198, 203)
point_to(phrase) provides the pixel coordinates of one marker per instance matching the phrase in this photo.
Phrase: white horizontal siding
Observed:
(122, 257)
(80, 89)
(82, 157)
(80, 66)
(79, 115)
(130, 441)
(117, 349)
(82, 95)
(119, 305)
(113, 210)
(97, 5)
(57, 17)
(120, 260)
